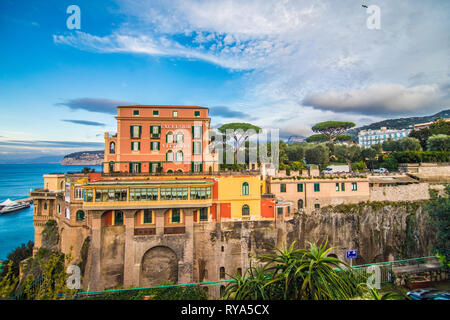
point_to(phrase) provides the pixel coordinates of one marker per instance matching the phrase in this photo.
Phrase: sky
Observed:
(277, 64)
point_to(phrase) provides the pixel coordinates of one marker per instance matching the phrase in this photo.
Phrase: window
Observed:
(222, 272)
(135, 146)
(110, 195)
(180, 137)
(280, 211)
(176, 216)
(289, 209)
(78, 194)
(179, 156)
(245, 189)
(196, 113)
(169, 155)
(204, 214)
(300, 203)
(155, 166)
(198, 193)
(169, 137)
(135, 167)
(147, 194)
(196, 132)
(154, 145)
(118, 218)
(155, 132)
(239, 271)
(80, 215)
(317, 206)
(316, 187)
(197, 167)
(112, 148)
(245, 210)
(148, 216)
(67, 213)
(58, 208)
(135, 132)
(174, 193)
(45, 205)
(88, 195)
(155, 113)
(175, 114)
(337, 186)
(136, 113)
(342, 186)
(354, 186)
(196, 147)
(283, 187)
(111, 166)
(299, 187)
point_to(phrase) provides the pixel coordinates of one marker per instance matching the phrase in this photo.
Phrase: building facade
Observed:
(366, 138)
(156, 139)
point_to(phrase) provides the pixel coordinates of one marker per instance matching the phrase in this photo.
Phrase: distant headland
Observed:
(83, 158)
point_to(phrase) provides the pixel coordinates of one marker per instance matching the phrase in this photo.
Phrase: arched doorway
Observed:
(159, 264)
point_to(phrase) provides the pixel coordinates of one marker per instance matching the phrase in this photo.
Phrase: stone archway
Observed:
(159, 264)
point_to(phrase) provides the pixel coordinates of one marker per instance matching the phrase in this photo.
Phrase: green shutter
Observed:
(192, 166)
(158, 145)
(139, 167)
(201, 167)
(159, 129)
(130, 165)
(139, 145)
(131, 131)
(140, 131)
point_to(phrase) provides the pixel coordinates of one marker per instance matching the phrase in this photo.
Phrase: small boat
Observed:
(11, 206)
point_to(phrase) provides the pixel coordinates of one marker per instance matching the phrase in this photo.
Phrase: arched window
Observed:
(169, 137)
(245, 210)
(80, 215)
(222, 272)
(112, 148)
(245, 189)
(180, 137)
(300, 203)
(179, 156)
(169, 171)
(169, 155)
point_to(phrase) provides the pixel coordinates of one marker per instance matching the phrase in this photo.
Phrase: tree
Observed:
(16, 256)
(390, 145)
(438, 142)
(343, 138)
(295, 152)
(409, 144)
(301, 274)
(317, 138)
(332, 129)
(239, 133)
(440, 126)
(317, 155)
(421, 135)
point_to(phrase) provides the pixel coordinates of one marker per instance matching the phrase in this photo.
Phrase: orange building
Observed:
(153, 139)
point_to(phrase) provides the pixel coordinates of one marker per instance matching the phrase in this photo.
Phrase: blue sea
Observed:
(16, 181)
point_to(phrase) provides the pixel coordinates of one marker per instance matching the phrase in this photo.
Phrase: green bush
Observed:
(421, 156)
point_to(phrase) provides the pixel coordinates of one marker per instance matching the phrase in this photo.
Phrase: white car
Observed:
(381, 170)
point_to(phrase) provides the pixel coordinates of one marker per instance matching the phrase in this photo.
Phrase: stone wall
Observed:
(409, 192)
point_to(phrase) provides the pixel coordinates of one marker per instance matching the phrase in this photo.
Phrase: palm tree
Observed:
(296, 274)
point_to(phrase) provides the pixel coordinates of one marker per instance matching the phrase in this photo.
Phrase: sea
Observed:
(16, 181)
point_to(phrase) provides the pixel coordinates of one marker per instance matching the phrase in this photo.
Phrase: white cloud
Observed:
(297, 49)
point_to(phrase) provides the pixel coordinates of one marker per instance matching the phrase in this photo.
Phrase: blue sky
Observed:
(277, 64)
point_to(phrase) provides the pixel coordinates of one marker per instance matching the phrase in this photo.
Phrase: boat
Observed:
(11, 206)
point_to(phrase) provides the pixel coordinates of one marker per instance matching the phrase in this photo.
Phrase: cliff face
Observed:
(379, 231)
(85, 158)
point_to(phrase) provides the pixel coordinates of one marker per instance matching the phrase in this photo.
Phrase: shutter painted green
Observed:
(139, 167)
(158, 145)
(201, 167)
(130, 165)
(140, 131)
(159, 129)
(131, 131)
(139, 145)
(192, 166)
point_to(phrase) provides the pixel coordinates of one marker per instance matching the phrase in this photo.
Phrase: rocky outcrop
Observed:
(84, 158)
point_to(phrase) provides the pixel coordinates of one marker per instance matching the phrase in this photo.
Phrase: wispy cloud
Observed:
(297, 54)
(101, 105)
(86, 123)
(50, 144)
(226, 112)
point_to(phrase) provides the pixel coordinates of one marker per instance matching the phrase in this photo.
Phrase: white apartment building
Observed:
(366, 138)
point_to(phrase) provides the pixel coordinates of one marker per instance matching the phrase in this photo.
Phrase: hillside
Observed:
(399, 123)
(83, 158)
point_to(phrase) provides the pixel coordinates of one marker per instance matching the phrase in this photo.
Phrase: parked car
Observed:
(336, 169)
(381, 170)
(428, 294)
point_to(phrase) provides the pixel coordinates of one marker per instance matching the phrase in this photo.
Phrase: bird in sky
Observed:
(364, 6)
